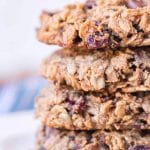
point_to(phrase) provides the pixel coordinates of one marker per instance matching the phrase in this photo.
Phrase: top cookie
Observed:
(98, 24)
(128, 3)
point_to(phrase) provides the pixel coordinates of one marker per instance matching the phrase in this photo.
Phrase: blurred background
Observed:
(21, 53)
(20, 58)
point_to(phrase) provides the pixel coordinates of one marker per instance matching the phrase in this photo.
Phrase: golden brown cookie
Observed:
(65, 108)
(98, 24)
(127, 70)
(54, 139)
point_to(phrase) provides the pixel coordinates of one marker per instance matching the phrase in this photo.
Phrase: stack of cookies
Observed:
(98, 97)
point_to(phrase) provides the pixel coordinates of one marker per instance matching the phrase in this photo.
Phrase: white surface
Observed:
(17, 131)
(19, 49)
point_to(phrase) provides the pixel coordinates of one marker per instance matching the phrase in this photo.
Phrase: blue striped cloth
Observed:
(19, 95)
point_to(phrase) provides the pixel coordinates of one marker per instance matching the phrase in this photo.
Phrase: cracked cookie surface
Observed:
(53, 139)
(128, 70)
(98, 24)
(65, 108)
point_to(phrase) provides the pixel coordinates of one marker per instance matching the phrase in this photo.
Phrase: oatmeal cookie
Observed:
(54, 139)
(65, 108)
(128, 70)
(127, 3)
(94, 25)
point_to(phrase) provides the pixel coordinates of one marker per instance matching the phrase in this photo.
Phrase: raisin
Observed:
(97, 40)
(134, 3)
(140, 147)
(90, 3)
(76, 106)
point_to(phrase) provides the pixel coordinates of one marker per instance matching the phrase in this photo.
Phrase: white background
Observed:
(19, 49)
